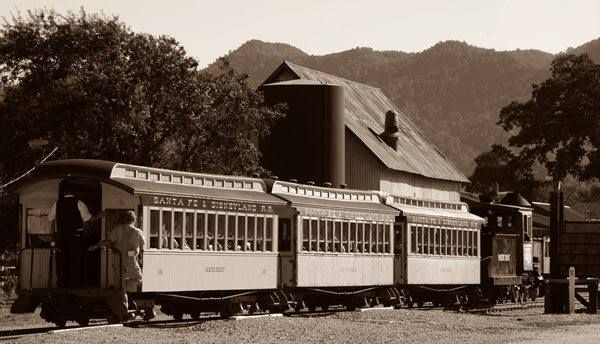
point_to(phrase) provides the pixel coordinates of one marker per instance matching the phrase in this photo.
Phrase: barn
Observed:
(342, 133)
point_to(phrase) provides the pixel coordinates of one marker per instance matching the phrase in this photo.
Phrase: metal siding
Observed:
(344, 270)
(363, 170)
(365, 111)
(186, 270)
(442, 270)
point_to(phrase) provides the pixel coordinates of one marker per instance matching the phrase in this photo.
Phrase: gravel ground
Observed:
(381, 326)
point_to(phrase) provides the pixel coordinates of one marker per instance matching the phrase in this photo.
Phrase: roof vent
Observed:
(310, 182)
(293, 180)
(343, 186)
(255, 175)
(274, 177)
(390, 135)
(327, 184)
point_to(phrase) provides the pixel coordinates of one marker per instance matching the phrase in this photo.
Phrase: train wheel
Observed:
(83, 322)
(409, 302)
(178, 316)
(195, 315)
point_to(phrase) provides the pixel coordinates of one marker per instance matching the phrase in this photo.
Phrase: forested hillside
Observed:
(453, 91)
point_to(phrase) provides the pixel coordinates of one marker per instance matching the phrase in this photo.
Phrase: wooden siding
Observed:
(364, 171)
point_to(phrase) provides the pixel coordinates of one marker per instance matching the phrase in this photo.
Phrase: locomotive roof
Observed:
(142, 179)
(365, 108)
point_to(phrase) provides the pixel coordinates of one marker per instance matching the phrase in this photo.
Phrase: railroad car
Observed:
(507, 268)
(210, 241)
(437, 253)
(233, 244)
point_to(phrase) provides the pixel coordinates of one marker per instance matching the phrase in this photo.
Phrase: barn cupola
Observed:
(390, 135)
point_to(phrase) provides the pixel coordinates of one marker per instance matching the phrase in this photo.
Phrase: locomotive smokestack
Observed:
(390, 135)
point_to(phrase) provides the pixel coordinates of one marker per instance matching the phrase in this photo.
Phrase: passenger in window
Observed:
(129, 241)
(165, 239)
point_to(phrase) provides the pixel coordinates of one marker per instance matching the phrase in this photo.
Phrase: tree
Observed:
(96, 89)
(500, 169)
(559, 126)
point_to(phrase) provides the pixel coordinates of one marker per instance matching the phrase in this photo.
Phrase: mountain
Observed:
(452, 91)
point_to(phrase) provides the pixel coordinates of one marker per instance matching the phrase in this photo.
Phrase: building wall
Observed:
(365, 171)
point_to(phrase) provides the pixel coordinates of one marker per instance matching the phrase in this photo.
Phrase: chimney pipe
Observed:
(390, 135)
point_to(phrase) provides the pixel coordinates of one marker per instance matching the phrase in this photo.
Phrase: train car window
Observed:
(352, 241)
(475, 243)
(387, 230)
(329, 236)
(368, 239)
(322, 235)
(443, 241)
(360, 236)
(178, 230)
(305, 234)
(200, 231)
(314, 235)
(344, 237)
(166, 232)
(211, 224)
(269, 234)
(470, 233)
(413, 239)
(379, 246)
(453, 241)
(189, 230)
(431, 240)
(260, 233)
(221, 225)
(231, 242)
(461, 242)
(499, 221)
(154, 225)
(425, 240)
(241, 230)
(250, 235)
(437, 240)
(337, 233)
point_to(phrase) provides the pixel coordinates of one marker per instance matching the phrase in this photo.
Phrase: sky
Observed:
(210, 29)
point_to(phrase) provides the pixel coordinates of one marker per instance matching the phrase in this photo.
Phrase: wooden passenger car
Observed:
(206, 235)
(340, 243)
(437, 249)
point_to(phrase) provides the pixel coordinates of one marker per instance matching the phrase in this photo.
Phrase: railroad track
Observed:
(172, 323)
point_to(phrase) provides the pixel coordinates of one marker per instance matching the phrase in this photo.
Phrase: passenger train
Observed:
(235, 244)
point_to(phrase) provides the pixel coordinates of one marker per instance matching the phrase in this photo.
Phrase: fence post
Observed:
(571, 290)
(593, 293)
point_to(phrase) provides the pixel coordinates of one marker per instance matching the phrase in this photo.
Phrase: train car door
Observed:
(77, 228)
(400, 251)
(286, 249)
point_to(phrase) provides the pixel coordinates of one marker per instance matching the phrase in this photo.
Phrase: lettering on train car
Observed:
(440, 221)
(503, 257)
(335, 213)
(214, 269)
(209, 204)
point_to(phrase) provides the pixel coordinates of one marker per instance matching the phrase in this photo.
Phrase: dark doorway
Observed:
(77, 267)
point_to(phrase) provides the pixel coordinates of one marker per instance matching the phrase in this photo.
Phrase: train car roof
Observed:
(149, 180)
(458, 215)
(331, 198)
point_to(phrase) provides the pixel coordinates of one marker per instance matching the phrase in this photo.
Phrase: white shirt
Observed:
(83, 211)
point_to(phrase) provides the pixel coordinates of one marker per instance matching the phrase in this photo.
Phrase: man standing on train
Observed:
(70, 215)
(129, 241)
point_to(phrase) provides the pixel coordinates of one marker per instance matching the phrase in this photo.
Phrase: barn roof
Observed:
(365, 116)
